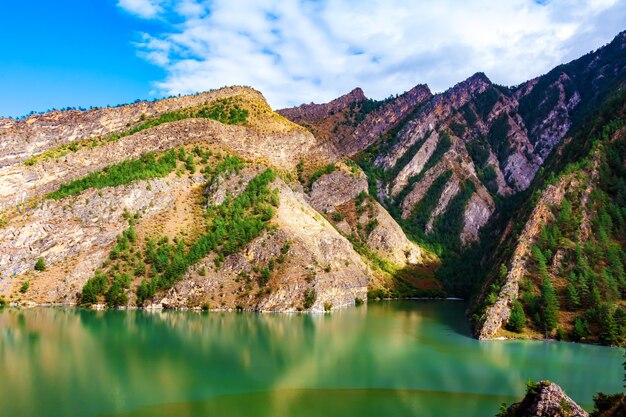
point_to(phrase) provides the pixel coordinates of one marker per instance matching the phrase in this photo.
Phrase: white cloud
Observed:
(146, 9)
(301, 51)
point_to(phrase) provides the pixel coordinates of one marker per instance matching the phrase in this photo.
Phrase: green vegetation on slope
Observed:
(148, 166)
(232, 225)
(161, 264)
(416, 223)
(584, 301)
(589, 269)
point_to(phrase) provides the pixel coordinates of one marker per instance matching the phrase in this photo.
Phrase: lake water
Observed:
(386, 359)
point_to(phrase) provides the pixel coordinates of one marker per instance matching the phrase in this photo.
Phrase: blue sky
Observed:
(98, 52)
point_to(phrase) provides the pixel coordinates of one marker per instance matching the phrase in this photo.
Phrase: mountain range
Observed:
(510, 197)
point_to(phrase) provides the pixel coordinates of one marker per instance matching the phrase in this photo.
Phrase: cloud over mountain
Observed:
(301, 51)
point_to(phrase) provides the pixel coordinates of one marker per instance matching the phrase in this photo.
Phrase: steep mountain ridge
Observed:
(351, 123)
(491, 139)
(564, 276)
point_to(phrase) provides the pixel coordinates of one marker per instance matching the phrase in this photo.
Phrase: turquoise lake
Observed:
(400, 358)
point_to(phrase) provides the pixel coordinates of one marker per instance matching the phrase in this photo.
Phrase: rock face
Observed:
(497, 315)
(337, 188)
(314, 113)
(337, 194)
(495, 137)
(546, 399)
(352, 123)
(319, 259)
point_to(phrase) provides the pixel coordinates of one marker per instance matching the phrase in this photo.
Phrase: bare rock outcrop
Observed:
(78, 232)
(312, 113)
(338, 191)
(546, 399)
(335, 189)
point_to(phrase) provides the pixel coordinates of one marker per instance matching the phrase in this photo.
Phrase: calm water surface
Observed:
(386, 359)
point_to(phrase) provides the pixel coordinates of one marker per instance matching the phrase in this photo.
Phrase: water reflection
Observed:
(409, 358)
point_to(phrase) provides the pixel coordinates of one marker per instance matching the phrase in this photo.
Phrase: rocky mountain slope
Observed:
(561, 259)
(441, 162)
(181, 203)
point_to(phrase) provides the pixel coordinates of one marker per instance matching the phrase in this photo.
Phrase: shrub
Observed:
(94, 287)
(40, 265)
(265, 276)
(322, 171)
(328, 306)
(116, 296)
(337, 217)
(309, 298)
(370, 226)
(25, 286)
(285, 248)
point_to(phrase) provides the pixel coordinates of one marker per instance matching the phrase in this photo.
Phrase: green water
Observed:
(385, 359)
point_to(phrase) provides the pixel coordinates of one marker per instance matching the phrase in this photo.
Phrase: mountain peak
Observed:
(356, 94)
(315, 112)
(479, 77)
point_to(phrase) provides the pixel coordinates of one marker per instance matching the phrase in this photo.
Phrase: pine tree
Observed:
(606, 320)
(549, 306)
(565, 219)
(517, 319)
(573, 299)
(502, 271)
(580, 329)
(542, 269)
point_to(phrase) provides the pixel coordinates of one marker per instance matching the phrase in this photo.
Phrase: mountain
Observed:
(466, 173)
(508, 196)
(457, 153)
(562, 253)
(185, 202)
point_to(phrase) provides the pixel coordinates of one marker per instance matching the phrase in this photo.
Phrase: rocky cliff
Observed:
(492, 139)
